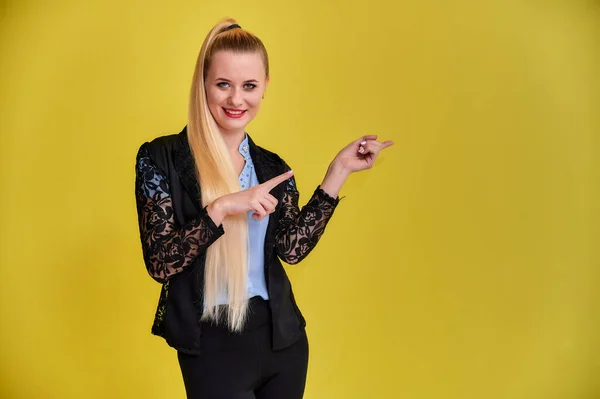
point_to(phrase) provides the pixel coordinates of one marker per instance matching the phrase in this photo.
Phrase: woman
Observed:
(217, 213)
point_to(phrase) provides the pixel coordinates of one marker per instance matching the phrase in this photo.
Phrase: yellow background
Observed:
(463, 266)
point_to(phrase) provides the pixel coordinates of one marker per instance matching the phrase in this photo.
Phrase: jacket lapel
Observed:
(263, 165)
(185, 166)
(266, 168)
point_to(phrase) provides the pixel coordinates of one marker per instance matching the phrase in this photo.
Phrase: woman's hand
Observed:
(256, 198)
(356, 156)
(360, 154)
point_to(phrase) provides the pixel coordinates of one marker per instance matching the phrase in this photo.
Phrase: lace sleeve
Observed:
(166, 247)
(300, 230)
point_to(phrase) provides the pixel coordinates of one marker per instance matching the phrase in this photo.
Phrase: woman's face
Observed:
(235, 84)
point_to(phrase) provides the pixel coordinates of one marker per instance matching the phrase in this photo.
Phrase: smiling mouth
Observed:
(234, 113)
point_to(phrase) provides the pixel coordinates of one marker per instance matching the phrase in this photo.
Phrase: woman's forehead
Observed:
(237, 65)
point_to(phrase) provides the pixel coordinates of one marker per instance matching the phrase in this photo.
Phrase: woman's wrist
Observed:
(216, 212)
(334, 179)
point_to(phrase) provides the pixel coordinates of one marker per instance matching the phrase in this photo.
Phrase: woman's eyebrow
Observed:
(247, 81)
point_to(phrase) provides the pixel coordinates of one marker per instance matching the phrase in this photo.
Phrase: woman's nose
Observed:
(235, 97)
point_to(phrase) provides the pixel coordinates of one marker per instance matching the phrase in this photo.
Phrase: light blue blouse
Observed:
(257, 229)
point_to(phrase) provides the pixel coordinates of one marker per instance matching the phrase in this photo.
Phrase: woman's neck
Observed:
(233, 139)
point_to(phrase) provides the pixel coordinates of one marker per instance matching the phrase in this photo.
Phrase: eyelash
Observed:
(253, 86)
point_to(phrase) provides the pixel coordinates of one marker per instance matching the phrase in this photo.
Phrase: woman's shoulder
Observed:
(162, 145)
(166, 141)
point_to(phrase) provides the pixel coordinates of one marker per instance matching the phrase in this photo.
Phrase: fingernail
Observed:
(363, 143)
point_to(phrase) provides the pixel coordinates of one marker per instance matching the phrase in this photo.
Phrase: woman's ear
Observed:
(266, 85)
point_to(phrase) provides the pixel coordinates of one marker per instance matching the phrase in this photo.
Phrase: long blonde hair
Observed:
(227, 258)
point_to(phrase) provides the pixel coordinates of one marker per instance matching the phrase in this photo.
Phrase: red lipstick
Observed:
(234, 113)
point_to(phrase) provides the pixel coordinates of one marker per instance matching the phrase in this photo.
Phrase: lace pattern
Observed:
(300, 230)
(167, 248)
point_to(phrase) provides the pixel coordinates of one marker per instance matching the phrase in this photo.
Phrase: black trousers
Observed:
(243, 365)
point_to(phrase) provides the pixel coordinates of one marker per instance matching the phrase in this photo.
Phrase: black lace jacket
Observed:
(175, 228)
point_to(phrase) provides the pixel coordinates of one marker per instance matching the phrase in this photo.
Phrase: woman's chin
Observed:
(232, 127)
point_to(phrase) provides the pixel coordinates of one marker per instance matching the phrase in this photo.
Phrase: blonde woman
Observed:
(217, 214)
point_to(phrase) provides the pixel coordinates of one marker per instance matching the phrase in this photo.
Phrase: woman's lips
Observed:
(234, 113)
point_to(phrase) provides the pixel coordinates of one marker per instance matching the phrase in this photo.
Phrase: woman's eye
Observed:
(247, 86)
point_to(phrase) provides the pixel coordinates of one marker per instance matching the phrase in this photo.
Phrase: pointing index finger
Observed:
(277, 180)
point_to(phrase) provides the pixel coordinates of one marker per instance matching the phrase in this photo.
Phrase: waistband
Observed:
(259, 315)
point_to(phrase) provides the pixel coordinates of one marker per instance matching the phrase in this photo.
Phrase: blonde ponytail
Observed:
(227, 258)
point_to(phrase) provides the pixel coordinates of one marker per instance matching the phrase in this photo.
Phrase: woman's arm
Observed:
(300, 230)
(167, 248)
